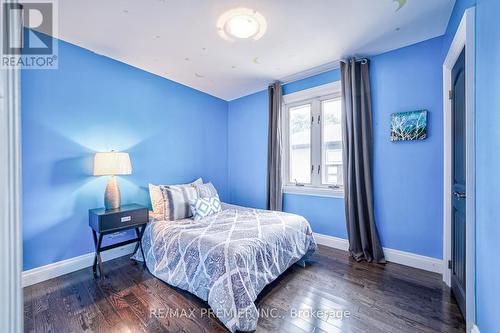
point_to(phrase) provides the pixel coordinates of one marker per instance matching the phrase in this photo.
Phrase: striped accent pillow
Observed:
(175, 200)
(204, 207)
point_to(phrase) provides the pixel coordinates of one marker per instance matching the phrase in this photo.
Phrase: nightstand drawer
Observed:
(126, 216)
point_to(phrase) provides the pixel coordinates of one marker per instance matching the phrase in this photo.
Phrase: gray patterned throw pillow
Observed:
(206, 190)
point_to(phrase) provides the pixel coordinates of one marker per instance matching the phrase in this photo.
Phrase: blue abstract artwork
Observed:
(407, 126)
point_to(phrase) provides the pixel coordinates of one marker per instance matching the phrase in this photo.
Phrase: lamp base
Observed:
(112, 194)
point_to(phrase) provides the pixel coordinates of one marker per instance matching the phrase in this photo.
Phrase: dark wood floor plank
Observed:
(377, 298)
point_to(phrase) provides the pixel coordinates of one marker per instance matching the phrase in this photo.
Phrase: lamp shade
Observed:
(112, 163)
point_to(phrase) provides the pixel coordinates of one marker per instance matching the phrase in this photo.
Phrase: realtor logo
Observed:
(27, 38)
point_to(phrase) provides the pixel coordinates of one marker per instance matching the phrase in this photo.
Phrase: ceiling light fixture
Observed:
(241, 23)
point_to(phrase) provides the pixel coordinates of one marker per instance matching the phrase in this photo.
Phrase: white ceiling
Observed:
(178, 39)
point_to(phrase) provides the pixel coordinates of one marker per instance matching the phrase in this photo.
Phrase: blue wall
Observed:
(247, 150)
(91, 103)
(488, 166)
(408, 176)
(325, 214)
(408, 208)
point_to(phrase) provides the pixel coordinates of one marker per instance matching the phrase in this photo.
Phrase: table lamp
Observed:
(111, 164)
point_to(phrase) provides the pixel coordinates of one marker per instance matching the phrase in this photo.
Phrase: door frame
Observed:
(464, 37)
(11, 316)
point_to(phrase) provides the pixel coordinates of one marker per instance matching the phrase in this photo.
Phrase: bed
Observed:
(228, 258)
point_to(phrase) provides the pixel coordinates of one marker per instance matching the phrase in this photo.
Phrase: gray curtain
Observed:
(364, 242)
(274, 151)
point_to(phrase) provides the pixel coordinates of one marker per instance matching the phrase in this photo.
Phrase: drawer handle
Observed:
(126, 219)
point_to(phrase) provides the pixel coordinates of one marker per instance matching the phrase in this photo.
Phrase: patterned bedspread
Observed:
(228, 258)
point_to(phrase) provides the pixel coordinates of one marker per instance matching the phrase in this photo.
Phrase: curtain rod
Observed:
(316, 71)
(361, 60)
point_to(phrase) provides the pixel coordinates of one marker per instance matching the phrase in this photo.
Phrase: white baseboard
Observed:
(395, 256)
(414, 260)
(333, 242)
(475, 329)
(59, 268)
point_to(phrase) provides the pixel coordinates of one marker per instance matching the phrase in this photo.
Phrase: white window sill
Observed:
(314, 191)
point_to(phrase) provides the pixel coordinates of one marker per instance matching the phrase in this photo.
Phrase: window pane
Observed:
(300, 144)
(332, 142)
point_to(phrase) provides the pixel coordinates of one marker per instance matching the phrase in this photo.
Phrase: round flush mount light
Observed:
(241, 23)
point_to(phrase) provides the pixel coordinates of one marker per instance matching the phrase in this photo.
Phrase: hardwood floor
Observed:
(374, 298)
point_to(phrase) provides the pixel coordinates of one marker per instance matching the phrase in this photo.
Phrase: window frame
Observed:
(322, 160)
(286, 141)
(314, 96)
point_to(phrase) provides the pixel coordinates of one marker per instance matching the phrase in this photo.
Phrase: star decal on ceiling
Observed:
(401, 3)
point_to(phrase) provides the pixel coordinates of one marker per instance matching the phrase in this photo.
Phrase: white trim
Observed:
(464, 37)
(314, 97)
(333, 242)
(414, 260)
(311, 93)
(475, 329)
(286, 140)
(11, 298)
(311, 72)
(314, 191)
(67, 266)
(396, 256)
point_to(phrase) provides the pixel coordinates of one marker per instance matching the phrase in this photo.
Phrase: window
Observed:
(313, 141)
(331, 142)
(300, 143)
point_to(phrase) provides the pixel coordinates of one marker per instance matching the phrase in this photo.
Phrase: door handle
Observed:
(459, 195)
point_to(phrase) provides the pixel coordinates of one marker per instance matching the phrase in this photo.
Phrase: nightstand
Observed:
(104, 222)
